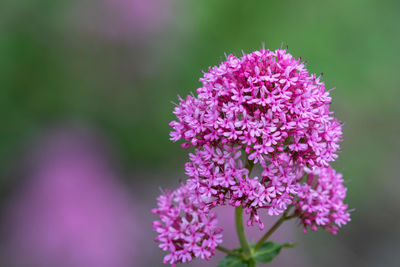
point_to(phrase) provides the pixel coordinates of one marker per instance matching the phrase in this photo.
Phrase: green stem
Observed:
(273, 228)
(240, 231)
(252, 263)
(247, 252)
(227, 251)
(239, 222)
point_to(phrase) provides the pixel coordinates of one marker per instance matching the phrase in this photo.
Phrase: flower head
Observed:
(185, 228)
(267, 105)
(320, 200)
(264, 109)
(265, 102)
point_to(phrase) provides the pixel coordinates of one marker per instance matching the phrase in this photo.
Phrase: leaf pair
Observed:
(266, 253)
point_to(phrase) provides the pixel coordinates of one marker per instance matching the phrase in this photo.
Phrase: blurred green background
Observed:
(117, 68)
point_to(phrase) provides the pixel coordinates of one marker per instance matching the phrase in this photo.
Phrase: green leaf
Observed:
(268, 251)
(232, 261)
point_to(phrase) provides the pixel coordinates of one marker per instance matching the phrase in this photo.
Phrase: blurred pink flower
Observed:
(72, 210)
(124, 19)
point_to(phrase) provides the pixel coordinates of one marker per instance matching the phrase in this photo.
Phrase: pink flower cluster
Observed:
(265, 102)
(268, 106)
(320, 200)
(219, 177)
(184, 229)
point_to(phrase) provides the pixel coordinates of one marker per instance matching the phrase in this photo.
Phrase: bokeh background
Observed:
(85, 101)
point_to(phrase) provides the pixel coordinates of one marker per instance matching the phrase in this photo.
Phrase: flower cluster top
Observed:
(263, 108)
(265, 102)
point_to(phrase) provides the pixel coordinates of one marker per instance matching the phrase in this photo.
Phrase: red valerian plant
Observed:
(262, 109)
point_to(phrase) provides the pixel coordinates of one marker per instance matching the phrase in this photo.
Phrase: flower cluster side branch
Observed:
(278, 223)
(227, 251)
